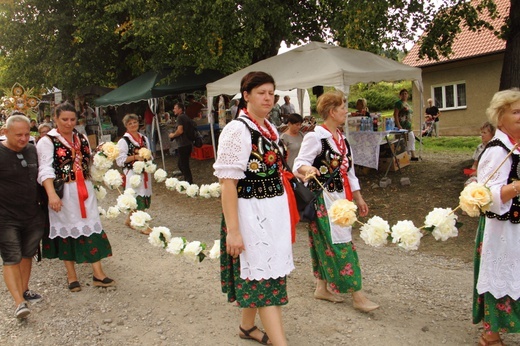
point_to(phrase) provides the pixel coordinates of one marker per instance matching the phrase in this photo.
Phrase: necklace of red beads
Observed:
(269, 134)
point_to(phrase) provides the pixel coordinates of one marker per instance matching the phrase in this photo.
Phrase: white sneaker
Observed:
(22, 311)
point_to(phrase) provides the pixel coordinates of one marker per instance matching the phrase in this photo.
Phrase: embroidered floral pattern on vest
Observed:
(132, 150)
(63, 159)
(326, 162)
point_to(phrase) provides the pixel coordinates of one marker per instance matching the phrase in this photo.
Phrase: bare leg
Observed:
(362, 303)
(71, 271)
(98, 270)
(25, 270)
(271, 317)
(13, 281)
(322, 292)
(488, 337)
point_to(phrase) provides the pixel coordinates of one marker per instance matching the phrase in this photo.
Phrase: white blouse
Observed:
(129, 173)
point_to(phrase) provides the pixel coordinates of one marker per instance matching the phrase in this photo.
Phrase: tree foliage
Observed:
(108, 42)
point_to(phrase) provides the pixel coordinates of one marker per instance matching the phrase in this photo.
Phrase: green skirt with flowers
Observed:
(338, 264)
(497, 315)
(248, 293)
(143, 202)
(80, 250)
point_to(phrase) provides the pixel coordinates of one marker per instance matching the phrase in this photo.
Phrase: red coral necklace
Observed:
(269, 134)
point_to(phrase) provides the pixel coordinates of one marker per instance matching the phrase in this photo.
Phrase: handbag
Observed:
(59, 183)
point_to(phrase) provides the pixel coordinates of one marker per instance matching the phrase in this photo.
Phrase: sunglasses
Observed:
(22, 160)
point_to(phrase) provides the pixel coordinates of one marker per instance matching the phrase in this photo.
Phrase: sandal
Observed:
(74, 286)
(106, 282)
(246, 334)
(485, 342)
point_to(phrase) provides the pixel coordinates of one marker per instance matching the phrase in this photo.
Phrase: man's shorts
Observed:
(20, 238)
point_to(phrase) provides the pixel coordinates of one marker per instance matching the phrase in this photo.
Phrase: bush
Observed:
(380, 96)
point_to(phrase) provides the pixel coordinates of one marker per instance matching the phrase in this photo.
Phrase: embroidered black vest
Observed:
(513, 215)
(262, 173)
(326, 162)
(132, 150)
(63, 160)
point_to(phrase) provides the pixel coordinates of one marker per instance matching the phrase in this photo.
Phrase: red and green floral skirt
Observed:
(143, 202)
(338, 264)
(497, 315)
(80, 250)
(248, 293)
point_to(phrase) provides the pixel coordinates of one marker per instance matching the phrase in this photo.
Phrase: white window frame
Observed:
(442, 102)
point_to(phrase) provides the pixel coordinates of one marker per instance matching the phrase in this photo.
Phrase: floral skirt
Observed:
(143, 202)
(80, 250)
(498, 315)
(248, 293)
(338, 264)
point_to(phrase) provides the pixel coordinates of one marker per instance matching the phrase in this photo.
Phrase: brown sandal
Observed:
(485, 342)
(246, 334)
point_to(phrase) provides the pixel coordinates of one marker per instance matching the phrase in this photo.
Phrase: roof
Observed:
(468, 44)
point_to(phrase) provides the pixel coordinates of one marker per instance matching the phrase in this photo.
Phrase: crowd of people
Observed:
(58, 206)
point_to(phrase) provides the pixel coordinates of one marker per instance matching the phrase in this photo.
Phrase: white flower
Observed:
(112, 212)
(100, 191)
(192, 190)
(343, 212)
(375, 232)
(214, 253)
(126, 202)
(129, 191)
(193, 249)
(406, 235)
(102, 162)
(145, 153)
(324, 170)
(150, 167)
(139, 220)
(101, 211)
(96, 174)
(443, 222)
(110, 150)
(135, 181)
(204, 191)
(254, 165)
(176, 245)
(113, 179)
(171, 183)
(160, 175)
(475, 198)
(214, 190)
(160, 236)
(182, 186)
(138, 167)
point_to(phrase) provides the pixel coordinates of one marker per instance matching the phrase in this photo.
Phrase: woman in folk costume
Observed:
(256, 201)
(75, 234)
(326, 152)
(497, 255)
(129, 146)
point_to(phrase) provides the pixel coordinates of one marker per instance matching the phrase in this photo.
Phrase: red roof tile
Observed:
(468, 43)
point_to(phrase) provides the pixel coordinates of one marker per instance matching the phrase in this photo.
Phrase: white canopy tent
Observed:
(320, 64)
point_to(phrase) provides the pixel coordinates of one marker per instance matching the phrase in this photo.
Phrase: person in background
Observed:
(403, 120)
(185, 145)
(256, 255)
(496, 287)
(43, 129)
(275, 115)
(286, 109)
(293, 137)
(150, 131)
(47, 121)
(435, 114)
(325, 153)
(487, 132)
(234, 109)
(361, 108)
(76, 234)
(21, 218)
(34, 126)
(194, 108)
(129, 146)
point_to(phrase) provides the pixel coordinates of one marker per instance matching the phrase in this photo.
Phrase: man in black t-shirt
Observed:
(435, 113)
(185, 144)
(21, 218)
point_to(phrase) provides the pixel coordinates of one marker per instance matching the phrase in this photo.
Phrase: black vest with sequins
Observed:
(63, 160)
(513, 215)
(132, 150)
(262, 178)
(326, 162)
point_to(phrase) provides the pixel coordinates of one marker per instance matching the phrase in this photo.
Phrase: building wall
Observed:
(482, 77)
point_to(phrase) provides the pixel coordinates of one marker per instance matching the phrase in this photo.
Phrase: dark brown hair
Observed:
(250, 81)
(65, 107)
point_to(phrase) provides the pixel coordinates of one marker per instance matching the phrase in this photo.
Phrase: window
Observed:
(450, 96)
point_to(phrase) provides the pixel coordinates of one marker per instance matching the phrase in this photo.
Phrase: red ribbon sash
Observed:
(293, 210)
(82, 192)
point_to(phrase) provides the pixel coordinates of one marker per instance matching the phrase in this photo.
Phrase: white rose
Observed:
(101, 192)
(192, 190)
(171, 183)
(101, 211)
(375, 232)
(204, 191)
(112, 212)
(113, 179)
(443, 222)
(101, 162)
(193, 249)
(150, 167)
(139, 220)
(111, 150)
(129, 191)
(475, 198)
(182, 186)
(343, 212)
(160, 175)
(126, 202)
(145, 153)
(176, 245)
(138, 167)
(215, 190)
(135, 181)
(154, 237)
(406, 235)
(96, 174)
(214, 253)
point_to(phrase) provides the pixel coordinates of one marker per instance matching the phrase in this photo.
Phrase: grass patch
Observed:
(454, 144)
